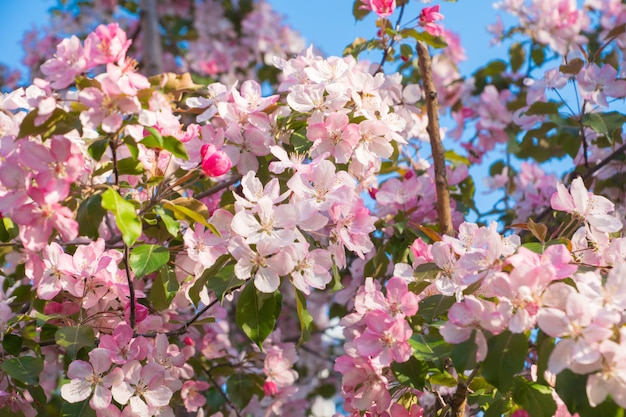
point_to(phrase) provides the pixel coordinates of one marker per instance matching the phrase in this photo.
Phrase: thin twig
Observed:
(432, 108)
(223, 394)
(218, 187)
(131, 287)
(393, 40)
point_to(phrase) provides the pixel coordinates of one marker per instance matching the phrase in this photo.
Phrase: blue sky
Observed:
(326, 23)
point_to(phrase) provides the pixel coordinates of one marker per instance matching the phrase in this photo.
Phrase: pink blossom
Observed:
(68, 62)
(427, 19)
(278, 364)
(592, 208)
(122, 346)
(106, 44)
(385, 338)
(86, 377)
(383, 8)
(192, 394)
(142, 387)
(335, 135)
(597, 83)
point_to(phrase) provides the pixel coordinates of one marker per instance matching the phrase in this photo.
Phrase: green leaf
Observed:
(496, 408)
(517, 55)
(241, 388)
(125, 215)
(58, 123)
(412, 373)
(8, 230)
(300, 143)
(90, 215)
(464, 354)
(146, 259)
(97, 148)
(358, 12)
(12, 343)
(257, 313)
(223, 280)
(80, 409)
(25, 369)
(573, 67)
(443, 378)
(539, 108)
(435, 305)
(406, 51)
(164, 289)
(535, 398)
(571, 388)
(74, 338)
(304, 317)
(434, 41)
(171, 224)
(538, 54)
(130, 166)
(169, 143)
(604, 123)
(336, 283)
(505, 358)
(431, 348)
(190, 209)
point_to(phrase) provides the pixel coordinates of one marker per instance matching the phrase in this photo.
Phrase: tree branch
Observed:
(392, 41)
(152, 51)
(218, 187)
(432, 108)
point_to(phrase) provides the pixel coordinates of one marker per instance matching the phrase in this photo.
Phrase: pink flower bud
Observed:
(141, 312)
(214, 162)
(270, 388)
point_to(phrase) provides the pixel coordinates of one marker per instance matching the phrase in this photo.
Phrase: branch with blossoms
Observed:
(280, 250)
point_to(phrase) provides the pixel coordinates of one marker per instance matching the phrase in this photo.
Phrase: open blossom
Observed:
(592, 208)
(385, 338)
(88, 377)
(427, 19)
(106, 44)
(68, 62)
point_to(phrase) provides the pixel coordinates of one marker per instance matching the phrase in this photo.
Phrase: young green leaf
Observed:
(146, 259)
(125, 215)
(257, 313)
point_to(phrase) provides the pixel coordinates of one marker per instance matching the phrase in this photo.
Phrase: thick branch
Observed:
(432, 108)
(152, 51)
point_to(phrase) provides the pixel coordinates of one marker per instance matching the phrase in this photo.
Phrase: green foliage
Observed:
(535, 398)
(192, 210)
(412, 373)
(257, 313)
(304, 317)
(164, 289)
(146, 259)
(168, 143)
(241, 388)
(74, 338)
(125, 215)
(505, 358)
(25, 369)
